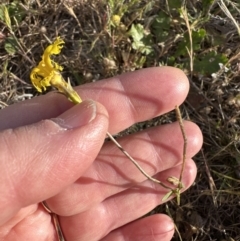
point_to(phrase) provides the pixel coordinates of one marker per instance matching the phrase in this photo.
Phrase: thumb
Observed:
(39, 160)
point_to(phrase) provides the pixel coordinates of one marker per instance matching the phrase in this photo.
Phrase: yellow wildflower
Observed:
(116, 19)
(47, 73)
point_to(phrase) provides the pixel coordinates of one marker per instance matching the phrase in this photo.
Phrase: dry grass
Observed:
(99, 44)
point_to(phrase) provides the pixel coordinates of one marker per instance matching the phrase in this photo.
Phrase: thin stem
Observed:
(56, 223)
(135, 162)
(180, 121)
(58, 227)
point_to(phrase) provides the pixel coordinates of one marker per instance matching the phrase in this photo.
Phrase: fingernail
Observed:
(77, 116)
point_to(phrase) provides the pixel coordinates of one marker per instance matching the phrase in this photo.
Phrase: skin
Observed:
(54, 151)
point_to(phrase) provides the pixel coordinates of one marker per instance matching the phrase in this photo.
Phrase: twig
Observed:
(180, 121)
(190, 51)
(229, 15)
(58, 227)
(135, 162)
(211, 181)
(55, 222)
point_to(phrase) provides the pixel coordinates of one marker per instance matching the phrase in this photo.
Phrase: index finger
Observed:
(129, 98)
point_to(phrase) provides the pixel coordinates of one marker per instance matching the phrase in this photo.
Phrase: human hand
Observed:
(55, 152)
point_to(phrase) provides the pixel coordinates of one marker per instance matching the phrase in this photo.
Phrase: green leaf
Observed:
(7, 19)
(16, 11)
(141, 41)
(136, 32)
(209, 63)
(140, 61)
(166, 196)
(2, 12)
(171, 60)
(197, 38)
(10, 12)
(10, 45)
(161, 27)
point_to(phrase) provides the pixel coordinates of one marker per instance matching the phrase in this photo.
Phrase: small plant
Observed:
(47, 73)
(9, 14)
(142, 41)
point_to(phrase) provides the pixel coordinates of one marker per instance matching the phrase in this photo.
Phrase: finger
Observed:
(122, 208)
(128, 98)
(155, 149)
(30, 223)
(39, 160)
(152, 228)
(140, 95)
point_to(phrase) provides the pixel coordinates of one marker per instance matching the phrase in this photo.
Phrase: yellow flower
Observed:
(47, 73)
(116, 20)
